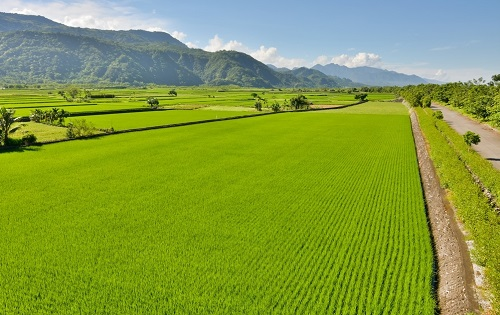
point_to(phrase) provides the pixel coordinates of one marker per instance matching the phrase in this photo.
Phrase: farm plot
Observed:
(286, 214)
(156, 118)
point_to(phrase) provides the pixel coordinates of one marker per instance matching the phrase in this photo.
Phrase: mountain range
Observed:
(34, 49)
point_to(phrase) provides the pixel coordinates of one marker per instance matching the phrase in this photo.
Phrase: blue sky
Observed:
(437, 39)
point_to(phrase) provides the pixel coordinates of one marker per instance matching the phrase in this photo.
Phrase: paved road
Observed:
(489, 147)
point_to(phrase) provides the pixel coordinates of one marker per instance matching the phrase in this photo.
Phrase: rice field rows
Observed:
(156, 118)
(298, 213)
(26, 100)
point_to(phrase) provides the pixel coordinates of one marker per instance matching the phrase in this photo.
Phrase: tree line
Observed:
(478, 98)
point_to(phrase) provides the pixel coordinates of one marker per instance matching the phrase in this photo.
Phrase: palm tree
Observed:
(6, 121)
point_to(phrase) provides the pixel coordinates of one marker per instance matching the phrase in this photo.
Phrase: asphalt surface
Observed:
(488, 147)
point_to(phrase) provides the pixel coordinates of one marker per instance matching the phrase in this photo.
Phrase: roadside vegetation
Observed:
(478, 99)
(472, 183)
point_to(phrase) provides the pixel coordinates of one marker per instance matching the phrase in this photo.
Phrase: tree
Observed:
(54, 116)
(438, 115)
(153, 102)
(172, 93)
(426, 101)
(361, 96)
(471, 138)
(276, 107)
(299, 102)
(6, 121)
(258, 106)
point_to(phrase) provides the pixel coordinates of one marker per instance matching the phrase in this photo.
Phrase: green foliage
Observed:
(426, 101)
(153, 102)
(54, 116)
(172, 93)
(495, 119)
(79, 128)
(299, 102)
(6, 120)
(276, 107)
(258, 105)
(471, 138)
(496, 78)
(476, 98)
(474, 210)
(438, 114)
(161, 221)
(28, 139)
(361, 96)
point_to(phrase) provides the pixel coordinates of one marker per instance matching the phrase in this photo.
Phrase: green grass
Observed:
(375, 108)
(286, 214)
(156, 118)
(41, 131)
(24, 101)
(454, 162)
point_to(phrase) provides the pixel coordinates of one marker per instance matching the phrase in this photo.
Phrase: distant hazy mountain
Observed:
(312, 77)
(370, 76)
(34, 49)
(435, 81)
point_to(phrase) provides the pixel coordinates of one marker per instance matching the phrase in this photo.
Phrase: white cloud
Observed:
(359, 60)
(217, 43)
(178, 35)
(109, 15)
(440, 74)
(192, 45)
(267, 55)
(322, 60)
(271, 56)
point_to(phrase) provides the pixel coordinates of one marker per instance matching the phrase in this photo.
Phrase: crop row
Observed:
(295, 213)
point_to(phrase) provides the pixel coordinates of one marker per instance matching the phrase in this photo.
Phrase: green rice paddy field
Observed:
(25, 101)
(157, 118)
(296, 213)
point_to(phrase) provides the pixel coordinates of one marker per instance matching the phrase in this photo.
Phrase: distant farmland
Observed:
(309, 213)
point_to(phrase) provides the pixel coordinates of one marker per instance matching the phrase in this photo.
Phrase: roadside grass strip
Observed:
(450, 155)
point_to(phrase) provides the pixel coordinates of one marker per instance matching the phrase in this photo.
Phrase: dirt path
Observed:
(455, 287)
(489, 147)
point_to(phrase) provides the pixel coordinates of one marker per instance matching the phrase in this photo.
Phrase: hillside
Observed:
(34, 49)
(19, 22)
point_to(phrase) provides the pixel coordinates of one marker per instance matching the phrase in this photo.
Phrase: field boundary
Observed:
(455, 277)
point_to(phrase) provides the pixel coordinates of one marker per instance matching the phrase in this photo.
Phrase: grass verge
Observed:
(455, 164)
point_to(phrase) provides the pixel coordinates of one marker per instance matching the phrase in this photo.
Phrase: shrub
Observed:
(438, 115)
(276, 107)
(361, 96)
(471, 138)
(28, 139)
(80, 128)
(258, 106)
